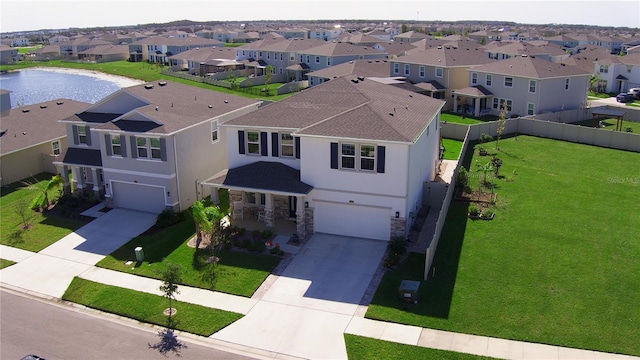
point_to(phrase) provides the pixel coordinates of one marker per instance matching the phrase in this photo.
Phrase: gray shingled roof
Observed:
(366, 68)
(273, 176)
(340, 49)
(80, 156)
(343, 108)
(38, 125)
(175, 106)
(447, 56)
(529, 67)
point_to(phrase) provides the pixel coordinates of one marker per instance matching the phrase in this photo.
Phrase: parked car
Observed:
(635, 92)
(624, 98)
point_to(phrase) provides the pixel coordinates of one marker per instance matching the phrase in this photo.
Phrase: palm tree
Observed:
(42, 200)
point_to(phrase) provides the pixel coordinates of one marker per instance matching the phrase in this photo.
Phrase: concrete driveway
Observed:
(307, 309)
(50, 271)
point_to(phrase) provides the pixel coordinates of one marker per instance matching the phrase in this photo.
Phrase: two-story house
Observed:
(347, 157)
(363, 68)
(333, 53)
(618, 73)
(440, 70)
(158, 49)
(146, 147)
(8, 55)
(525, 85)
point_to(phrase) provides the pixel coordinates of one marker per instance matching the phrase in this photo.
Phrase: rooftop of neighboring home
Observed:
(349, 107)
(335, 48)
(175, 41)
(162, 107)
(366, 68)
(586, 57)
(448, 56)
(35, 124)
(106, 49)
(411, 36)
(396, 49)
(358, 38)
(530, 67)
(527, 48)
(630, 59)
(205, 54)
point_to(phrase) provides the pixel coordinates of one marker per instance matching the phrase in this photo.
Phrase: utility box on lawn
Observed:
(408, 291)
(139, 254)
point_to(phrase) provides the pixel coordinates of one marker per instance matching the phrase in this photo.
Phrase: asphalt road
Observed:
(58, 331)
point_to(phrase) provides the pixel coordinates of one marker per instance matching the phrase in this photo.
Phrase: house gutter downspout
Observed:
(175, 155)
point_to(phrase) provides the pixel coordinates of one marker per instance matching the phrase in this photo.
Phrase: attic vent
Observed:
(563, 64)
(355, 81)
(43, 106)
(226, 101)
(439, 47)
(162, 83)
(361, 78)
(524, 55)
(391, 113)
(60, 102)
(25, 110)
(148, 86)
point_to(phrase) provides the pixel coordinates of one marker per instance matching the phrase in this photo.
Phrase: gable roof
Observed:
(37, 125)
(349, 107)
(530, 67)
(274, 177)
(448, 56)
(366, 68)
(334, 48)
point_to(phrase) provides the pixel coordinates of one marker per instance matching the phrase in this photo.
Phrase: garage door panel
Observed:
(352, 220)
(138, 197)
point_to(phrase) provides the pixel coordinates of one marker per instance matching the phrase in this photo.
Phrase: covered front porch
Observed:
(265, 195)
(85, 166)
(473, 100)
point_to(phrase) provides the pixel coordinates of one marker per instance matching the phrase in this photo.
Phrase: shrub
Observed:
(629, 129)
(391, 260)
(485, 138)
(257, 245)
(267, 234)
(487, 213)
(473, 210)
(168, 217)
(397, 245)
(463, 178)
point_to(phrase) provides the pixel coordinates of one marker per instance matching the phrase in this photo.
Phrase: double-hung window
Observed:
(531, 109)
(348, 156)
(396, 68)
(286, 145)
(566, 84)
(474, 78)
(55, 147)
(508, 82)
(317, 59)
(421, 71)
(488, 80)
(532, 86)
(439, 72)
(148, 148)
(116, 146)
(214, 131)
(253, 142)
(406, 69)
(367, 157)
(82, 134)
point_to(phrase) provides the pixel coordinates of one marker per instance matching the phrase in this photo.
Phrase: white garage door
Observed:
(138, 197)
(352, 220)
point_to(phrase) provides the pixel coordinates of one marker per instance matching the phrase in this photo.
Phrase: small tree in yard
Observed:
(170, 275)
(496, 163)
(502, 121)
(207, 220)
(22, 209)
(42, 200)
(485, 169)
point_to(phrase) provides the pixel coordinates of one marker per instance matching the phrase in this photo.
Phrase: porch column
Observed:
(476, 110)
(214, 195)
(96, 183)
(78, 178)
(300, 223)
(64, 174)
(455, 103)
(268, 210)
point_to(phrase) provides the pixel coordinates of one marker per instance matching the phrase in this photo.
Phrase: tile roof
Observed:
(174, 106)
(530, 67)
(349, 108)
(274, 176)
(38, 125)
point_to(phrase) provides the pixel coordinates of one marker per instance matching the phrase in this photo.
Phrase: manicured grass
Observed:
(237, 273)
(364, 348)
(142, 71)
(558, 264)
(595, 95)
(452, 148)
(466, 120)
(610, 124)
(5, 263)
(148, 308)
(45, 230)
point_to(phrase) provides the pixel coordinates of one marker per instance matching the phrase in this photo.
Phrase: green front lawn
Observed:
(238, 273)
(5, 263)
(148, 308)
(558, 264)
(44, 230)
(466, 120)
(364, 348)
(452, 148)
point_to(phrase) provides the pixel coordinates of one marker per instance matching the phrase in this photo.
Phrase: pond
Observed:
(36, 85)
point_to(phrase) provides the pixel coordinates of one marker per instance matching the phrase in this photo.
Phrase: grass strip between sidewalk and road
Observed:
(5, 263)
(364, 348)
(148, 308)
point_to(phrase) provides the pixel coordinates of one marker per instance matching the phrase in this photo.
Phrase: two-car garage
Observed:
(352, 220)
(141, 197)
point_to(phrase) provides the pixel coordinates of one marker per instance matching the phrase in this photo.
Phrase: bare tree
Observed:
(22, 209)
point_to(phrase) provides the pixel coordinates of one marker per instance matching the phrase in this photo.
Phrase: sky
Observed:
(24, 15)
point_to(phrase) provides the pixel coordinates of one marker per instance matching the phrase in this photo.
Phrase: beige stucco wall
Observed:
(28, 162)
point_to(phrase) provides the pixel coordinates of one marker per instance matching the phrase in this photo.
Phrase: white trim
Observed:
(137, 173)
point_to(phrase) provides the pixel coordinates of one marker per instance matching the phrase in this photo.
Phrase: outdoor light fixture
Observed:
(397, 214)
(168, 193)
(306, 204)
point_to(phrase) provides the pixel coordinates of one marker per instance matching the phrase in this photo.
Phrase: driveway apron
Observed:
(50, 271)
(307, 309)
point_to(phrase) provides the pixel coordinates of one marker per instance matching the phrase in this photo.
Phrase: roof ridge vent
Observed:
(148, 86)
(25, 110)
(43, 106)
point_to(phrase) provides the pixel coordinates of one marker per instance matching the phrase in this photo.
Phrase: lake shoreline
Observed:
(122, 81)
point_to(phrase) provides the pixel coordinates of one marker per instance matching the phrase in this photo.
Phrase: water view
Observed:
(32, 86)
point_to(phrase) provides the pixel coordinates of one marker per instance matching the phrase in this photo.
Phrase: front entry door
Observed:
(293, 206)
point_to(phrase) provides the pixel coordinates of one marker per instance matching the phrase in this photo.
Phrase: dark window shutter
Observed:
(123, 146)
(297, 144)
(75, 134)
(163, 149)
(381, 152)
(134, 146)
(107, 141)
(88, 136)
(334, 155)
(264, 149)
(275, 144)
(241, 142)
